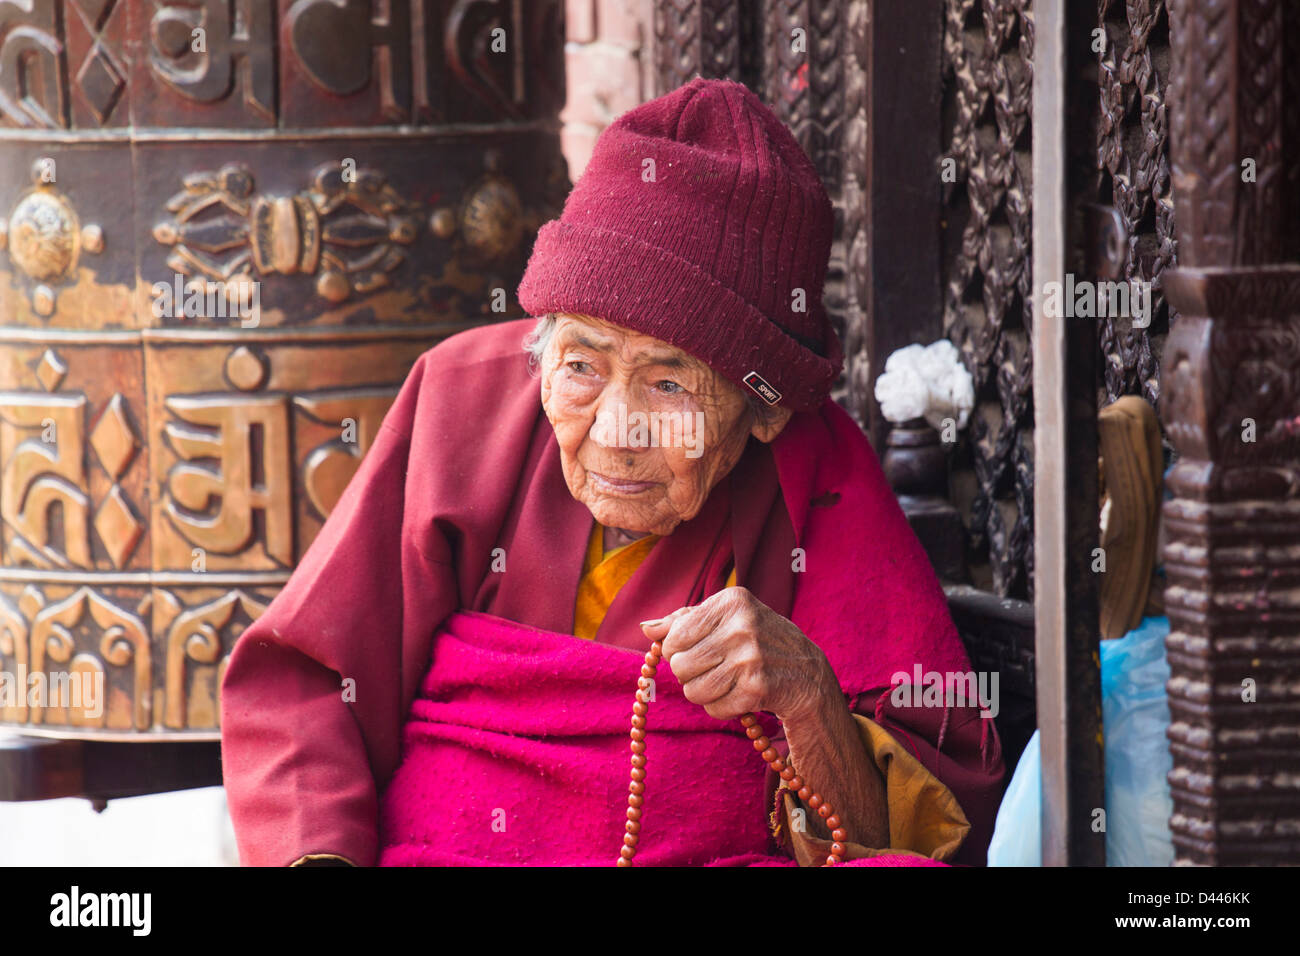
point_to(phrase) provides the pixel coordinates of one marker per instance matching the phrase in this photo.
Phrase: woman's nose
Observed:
(604, 431)
(611, 428)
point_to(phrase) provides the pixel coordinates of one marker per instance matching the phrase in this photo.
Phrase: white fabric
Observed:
(927, 382)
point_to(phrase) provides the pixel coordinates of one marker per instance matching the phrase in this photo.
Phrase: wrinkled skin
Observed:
(591, 369)
(732, 653)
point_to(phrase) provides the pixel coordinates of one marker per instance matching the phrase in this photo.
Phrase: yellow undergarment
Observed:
(604, 573)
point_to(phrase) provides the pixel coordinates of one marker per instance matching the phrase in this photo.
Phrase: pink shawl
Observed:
(517, 753)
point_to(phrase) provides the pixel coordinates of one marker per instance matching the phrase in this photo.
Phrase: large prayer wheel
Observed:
(227, 229)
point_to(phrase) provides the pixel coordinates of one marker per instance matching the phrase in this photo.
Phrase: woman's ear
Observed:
(767, 426)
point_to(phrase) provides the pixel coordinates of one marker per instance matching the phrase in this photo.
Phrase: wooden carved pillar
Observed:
(227, 229)
(1231, 407)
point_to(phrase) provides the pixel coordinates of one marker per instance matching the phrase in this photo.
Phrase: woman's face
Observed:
(645, 429)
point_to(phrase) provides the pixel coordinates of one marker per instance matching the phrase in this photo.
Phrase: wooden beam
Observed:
(47, 768)
(900, 250)
(1065, 446)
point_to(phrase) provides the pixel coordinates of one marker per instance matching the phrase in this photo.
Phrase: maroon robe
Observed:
(465, 464)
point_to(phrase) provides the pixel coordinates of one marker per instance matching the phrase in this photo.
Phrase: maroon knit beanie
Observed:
(719, 246)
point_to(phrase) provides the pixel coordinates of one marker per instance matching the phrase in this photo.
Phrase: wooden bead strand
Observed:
(636, 789)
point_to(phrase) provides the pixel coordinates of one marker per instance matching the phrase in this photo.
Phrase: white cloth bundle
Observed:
(926, 381)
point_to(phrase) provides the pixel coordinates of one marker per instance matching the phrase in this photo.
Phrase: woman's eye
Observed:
(582, 368)
(669, 387)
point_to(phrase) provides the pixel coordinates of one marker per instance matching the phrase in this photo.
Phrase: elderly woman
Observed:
(448, 677)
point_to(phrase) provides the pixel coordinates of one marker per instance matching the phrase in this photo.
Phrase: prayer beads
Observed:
(636, 789)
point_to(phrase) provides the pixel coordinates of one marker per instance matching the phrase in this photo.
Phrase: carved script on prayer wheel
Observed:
(227, 229)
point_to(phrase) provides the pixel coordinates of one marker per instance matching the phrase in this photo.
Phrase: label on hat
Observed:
(761, 387)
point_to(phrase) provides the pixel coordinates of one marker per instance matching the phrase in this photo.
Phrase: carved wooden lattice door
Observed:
(987, 223)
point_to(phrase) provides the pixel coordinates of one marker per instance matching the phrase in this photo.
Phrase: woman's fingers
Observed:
(711, 686)
(732, 704)
(657, 628)
(672, 631)
(716, 652)
(699, 659)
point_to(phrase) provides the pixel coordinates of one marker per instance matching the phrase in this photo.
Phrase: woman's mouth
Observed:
(619, 486)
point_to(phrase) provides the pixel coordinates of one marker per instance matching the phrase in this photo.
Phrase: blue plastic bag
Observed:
(1135, 713)
(1018, 833)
